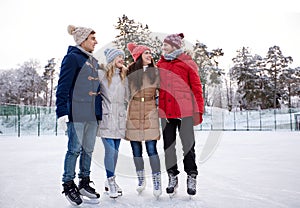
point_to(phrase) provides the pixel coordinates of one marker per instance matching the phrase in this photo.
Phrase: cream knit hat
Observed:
(80, 34)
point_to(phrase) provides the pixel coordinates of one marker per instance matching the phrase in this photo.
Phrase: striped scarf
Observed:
(173, 55)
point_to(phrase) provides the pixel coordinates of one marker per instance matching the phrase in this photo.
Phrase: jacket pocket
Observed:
(104, 123)
(184, 100)
(122, 120)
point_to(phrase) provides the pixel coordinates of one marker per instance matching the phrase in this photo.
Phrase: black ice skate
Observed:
(72, 193)
(86, 190)
(191, 184)
(173, 184)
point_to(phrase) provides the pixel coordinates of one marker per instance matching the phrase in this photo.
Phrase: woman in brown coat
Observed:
(142, 119)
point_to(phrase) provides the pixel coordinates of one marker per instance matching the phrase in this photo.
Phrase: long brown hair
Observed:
(136, 71)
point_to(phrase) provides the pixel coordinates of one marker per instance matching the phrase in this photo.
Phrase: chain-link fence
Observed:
(36, 120)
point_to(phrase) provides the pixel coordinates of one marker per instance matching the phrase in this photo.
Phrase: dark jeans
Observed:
(186, 133)
(137, 151)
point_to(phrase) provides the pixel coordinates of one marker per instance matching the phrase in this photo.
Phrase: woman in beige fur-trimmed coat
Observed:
(142, 119)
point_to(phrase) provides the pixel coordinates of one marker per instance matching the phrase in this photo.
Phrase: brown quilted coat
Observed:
(142, 119)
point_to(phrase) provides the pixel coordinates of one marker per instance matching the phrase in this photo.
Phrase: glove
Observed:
(197, 118)
(62, 122)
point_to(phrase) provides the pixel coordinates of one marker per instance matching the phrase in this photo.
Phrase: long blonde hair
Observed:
(110, 71)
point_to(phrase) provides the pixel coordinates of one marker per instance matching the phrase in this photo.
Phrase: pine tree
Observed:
(290, 82)
(210, 73)
(48, 75)
(8, 86)
(29, 83)
(130, 31)
(276, 63)
(246, 73)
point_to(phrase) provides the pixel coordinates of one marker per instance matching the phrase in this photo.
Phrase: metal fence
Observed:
(36, 120)
(27, 120)
(254, 120)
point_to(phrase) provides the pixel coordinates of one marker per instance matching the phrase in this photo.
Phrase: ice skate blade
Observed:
(88, 200)
(107, 193)
(191, 197)
(157, 198)
(86, 194)
(120, 193)
(112, 197)
(74, 203)
(172, 195)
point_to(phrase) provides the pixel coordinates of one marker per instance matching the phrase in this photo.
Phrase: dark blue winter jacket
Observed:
(78, 89)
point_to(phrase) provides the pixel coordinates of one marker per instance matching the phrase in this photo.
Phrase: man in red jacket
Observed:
(180, 106)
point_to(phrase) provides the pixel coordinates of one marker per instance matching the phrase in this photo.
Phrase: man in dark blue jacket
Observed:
(78, 109)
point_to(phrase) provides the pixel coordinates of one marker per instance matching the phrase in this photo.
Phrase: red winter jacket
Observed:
(180, 92)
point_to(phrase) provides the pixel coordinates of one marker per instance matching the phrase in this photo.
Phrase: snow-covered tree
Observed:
(9, 86)
(229, 91)
(210, 73)
(290, 82)
(30, 83)
(246, 74)
(130, 31)
(48, 76)
(276, 63)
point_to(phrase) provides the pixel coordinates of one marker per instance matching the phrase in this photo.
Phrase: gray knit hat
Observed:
(80, 34)
(112, 53)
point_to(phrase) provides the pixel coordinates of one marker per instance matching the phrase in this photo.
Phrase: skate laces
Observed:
(172, 180)
(156, 181)
(112, 184)
(141, 177)
(72, 192)
(117, 186)
(191, 182)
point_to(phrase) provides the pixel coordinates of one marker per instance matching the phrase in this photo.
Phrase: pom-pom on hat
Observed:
(112, 53)
(174, 40)
(80, 34)
(136, 50)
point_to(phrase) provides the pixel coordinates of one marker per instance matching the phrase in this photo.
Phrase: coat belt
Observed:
(143, 99)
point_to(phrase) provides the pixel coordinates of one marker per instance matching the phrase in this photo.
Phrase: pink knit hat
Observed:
(136, 50)
(174, 40)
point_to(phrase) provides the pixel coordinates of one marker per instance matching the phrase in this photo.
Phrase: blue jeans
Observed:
(82, 137)
(111, 155)
(137, 151)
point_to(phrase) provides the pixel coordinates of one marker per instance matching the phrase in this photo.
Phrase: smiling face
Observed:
(146, 57)
(167, 48)
(90, 43)
(119, 61)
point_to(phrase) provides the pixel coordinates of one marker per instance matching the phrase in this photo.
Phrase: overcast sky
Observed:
(34, 29)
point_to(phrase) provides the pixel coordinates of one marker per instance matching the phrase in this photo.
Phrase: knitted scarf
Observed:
(173, 55)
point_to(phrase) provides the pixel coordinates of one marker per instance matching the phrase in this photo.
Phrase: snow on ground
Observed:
(243, 170)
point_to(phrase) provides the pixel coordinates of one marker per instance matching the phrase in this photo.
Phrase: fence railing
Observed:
(37, 120)
(251, 120)
(27, 120)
